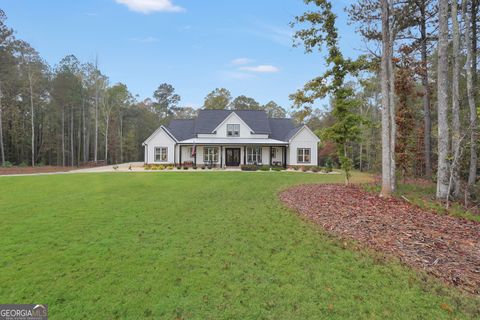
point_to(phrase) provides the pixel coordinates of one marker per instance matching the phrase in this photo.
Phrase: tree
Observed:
(468, 17)
(442, 92)
(34, 70)
(274, 110)
(166, 100)
(455, 170)
(319, 29)
(219, 98)
(388, 108)
(244, 103)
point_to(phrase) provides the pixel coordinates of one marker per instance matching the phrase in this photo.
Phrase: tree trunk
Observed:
(427, 122)
(84, 132)
(472, 172)
(393, 122)
(95, 151)
(386, 147)
(442, 90)
(63, 137)
(72, 154)
(121, 137)
(32, 116)
(107, 120)
(455, 170)
(2, 150)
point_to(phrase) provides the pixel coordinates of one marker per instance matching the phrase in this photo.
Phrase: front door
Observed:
(232, 157)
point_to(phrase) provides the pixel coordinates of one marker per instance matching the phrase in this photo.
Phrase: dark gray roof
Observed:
(282, 128)
(182, 129)
(207, 120)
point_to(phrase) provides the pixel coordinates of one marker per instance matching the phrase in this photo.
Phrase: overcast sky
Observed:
(244, 46)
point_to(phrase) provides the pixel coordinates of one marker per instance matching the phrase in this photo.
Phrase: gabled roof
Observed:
(182, 129)
(208, 120)
(281, 129)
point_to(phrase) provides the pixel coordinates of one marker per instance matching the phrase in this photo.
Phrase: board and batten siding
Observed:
(303, 139)
(160, 139)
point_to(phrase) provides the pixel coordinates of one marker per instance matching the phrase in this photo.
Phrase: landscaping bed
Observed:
(31, 170)
(445, 246)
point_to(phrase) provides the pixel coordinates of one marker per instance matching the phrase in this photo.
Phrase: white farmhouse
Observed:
(228, 138)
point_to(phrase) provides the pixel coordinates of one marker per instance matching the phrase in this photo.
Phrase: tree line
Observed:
(408, 107)
(70, 114)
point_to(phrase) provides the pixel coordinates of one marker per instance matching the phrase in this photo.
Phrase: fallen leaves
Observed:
(445, 246)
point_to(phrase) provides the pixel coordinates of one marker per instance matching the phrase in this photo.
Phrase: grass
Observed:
(216, 245)
(423, 195)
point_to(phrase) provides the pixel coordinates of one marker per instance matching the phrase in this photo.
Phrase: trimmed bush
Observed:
(278, 168)
(185, 168)
(248, 167)
(23, 165)
(265, 168)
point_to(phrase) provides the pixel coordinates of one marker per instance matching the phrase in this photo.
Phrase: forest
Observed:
(70, 114)
(408, 106)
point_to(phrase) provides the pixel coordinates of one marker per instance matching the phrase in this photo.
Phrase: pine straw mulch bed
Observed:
(445, 246)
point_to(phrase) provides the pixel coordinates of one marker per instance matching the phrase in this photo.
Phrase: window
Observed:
(233, 130)
(254, 155)
(210, 154)
(303, 155)
(274, 153)
(161, 154)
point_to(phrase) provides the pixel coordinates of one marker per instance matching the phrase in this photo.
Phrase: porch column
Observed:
(195, 156)
(180, 155)
(271, 155)
(285, 157)
(221, 156)
(244, 155)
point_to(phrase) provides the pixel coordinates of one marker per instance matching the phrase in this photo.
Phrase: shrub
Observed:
(248, 167)
(179, 168)
(328, 165)
(315, 169)
(185, 168)
(278, 168)
(265, 168)
(23, 165)
(194, 167)
(295, 167)
(115, 167)
(203, 167)
(305, 168)
(8, 164)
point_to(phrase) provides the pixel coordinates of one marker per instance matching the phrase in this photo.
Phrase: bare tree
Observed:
(442, 89)
(388, 111)
(472, 173)
(455, 179)
(95, 148)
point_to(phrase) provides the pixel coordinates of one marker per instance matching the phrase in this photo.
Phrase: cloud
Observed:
(240, 61)
(261, 69)
(238, 75)
(148, 39)
(149, 6)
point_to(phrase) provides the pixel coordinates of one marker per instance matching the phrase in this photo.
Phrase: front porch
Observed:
(230, 156)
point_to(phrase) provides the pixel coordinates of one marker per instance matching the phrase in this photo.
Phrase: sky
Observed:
(197, 46)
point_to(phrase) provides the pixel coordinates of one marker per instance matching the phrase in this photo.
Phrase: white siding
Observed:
(303, 139)
(160, 139)
(245, 131)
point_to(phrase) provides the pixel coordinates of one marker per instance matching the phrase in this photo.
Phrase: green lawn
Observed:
(203, 245)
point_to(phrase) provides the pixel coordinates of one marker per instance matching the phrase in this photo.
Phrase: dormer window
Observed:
(233, 130)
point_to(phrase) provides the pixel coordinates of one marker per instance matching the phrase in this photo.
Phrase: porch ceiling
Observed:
(234, 141)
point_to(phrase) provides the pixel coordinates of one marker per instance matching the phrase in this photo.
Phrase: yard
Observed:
(203, 245)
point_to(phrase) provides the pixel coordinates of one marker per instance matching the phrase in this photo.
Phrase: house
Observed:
(230, 138)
